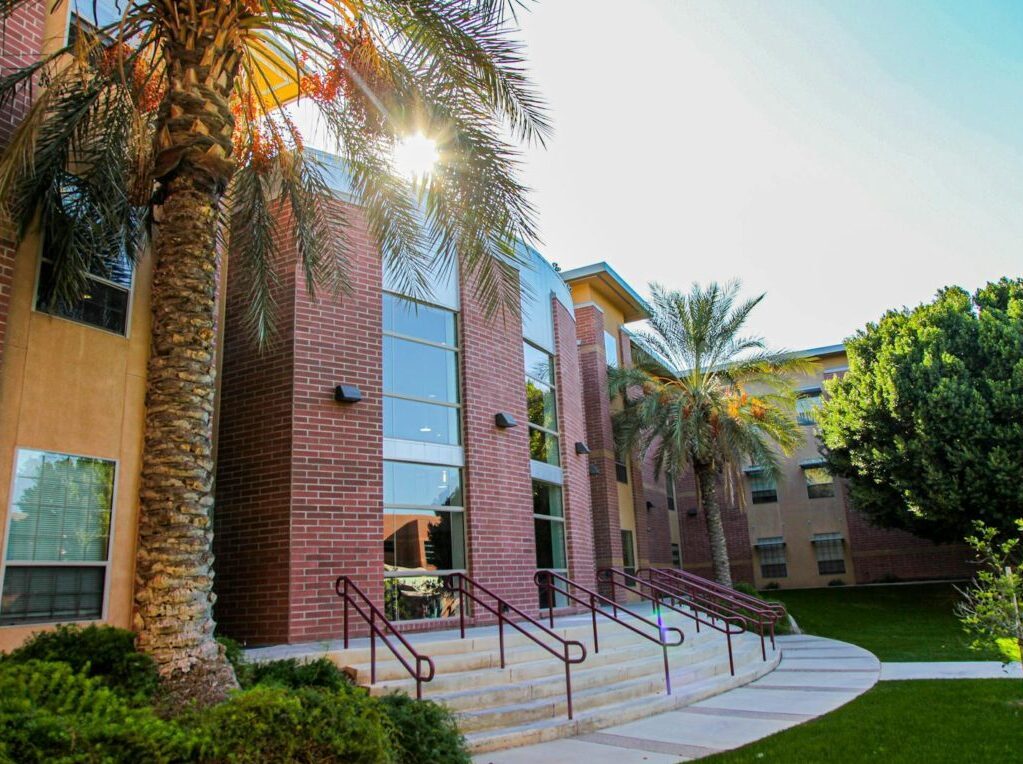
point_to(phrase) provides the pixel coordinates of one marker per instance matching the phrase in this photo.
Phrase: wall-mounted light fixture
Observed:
(649, 505)
(581, 448)
(505, 420)
(691, 512)
(594, 470)
(347, 394)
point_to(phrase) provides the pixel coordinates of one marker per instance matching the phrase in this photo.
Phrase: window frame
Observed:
(632, 549)
(755, 473)
(128, 311)
(111, 538)
(609, 340)
(829, 493)
(669, 491)
(829, 543)
(773, 568)
(676, 555)
(456, 349)
(555, 434)
(804, 418)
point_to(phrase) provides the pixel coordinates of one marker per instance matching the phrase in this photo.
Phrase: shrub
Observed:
(274, 725)
(425, 731)
(51, 713)
(745, 588)
(102, 652)
(295, 674)
(836, 582)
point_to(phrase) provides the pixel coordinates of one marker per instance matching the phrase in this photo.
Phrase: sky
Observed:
(842, 157)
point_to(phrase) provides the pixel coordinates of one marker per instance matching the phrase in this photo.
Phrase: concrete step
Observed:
(687, 688)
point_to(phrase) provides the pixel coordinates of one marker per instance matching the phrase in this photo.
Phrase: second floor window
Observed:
(763, 487)
(806, 407)
(103, 302)
(820, 484)
(541, 406)
(611, 350)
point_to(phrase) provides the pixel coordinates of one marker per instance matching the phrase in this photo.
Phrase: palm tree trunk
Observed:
(174, 571)
(706, 478)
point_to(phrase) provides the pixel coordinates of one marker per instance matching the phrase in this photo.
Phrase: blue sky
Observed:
(843, 157)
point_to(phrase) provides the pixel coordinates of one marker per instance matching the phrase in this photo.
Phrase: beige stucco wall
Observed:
(797, 517)
(72, 388)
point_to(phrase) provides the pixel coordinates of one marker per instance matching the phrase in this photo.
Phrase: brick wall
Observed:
(499, 496)
(337, 452)
(607, 539)
(252, 518)
(656, 547)
(880, 554)
(696, 540)
(578, 517)
(21, 43)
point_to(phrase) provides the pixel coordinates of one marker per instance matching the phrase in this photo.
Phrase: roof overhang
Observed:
(634, 307)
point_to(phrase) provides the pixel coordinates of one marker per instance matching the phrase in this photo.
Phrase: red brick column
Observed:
(499, 498)
(21, 43)
(578, 517)
(607, 539)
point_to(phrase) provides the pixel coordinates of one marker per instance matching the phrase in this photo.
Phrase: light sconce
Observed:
(594, 470)
(649, 505)
(581, 448)
(691, 512)
(505, 420)
(347, 394)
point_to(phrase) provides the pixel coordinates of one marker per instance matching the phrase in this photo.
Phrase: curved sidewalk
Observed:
(815, 676)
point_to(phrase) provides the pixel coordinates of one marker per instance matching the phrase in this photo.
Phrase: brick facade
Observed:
(696, 540)
(20, 45)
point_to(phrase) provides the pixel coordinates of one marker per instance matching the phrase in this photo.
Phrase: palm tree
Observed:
(147, 130)
(691, 398)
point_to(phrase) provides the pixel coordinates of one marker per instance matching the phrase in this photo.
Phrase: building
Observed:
(388, 438)
(802, 530)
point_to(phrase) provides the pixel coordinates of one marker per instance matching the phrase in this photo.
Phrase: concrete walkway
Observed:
(951, 670)
(815, 676)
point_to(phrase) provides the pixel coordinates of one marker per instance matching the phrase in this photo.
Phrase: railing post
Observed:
(419, 679)
(667, 672)
(568, 682)
(500, 632)
(461, 604)
(345, 597)
(728, 636)
(763, 649)
(772, 636)
(551, 594)
(593, 615)
(372, 647)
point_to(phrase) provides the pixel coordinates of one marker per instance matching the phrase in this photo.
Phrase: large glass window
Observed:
(424, 538)
(541, 405)
(629, 555)
(669, 489)
(58, 538)
(806, 407)
(829, 548)
(549, 529)
(420, 376)
(771, 551)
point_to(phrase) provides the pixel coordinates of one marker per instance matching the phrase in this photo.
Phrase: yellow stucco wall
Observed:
(72, 388)
(797, 517)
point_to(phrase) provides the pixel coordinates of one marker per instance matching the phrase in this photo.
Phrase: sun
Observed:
(415, 156)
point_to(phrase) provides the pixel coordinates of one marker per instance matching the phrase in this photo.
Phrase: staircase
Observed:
(525, 702)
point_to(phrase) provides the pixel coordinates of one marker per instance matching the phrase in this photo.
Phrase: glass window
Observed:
(771, 551)
(423, 534)
(611, 350)
(806, 406)
(413, 319)
(549, 531)
(676, 555)
(413, 598)
(541, 406)
(621, 468)
(628, 555)
(420, 374)
(58, 538)
(819, 482)
(829, 549)
(763, 486)
(103, 304)
(669, 489)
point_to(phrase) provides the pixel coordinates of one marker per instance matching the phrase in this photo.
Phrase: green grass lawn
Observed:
(933, 721)
(914, 622)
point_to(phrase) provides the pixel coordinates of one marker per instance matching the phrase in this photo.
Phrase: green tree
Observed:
(161, 122)
(927, 425)
(992, 607)
(695, 406)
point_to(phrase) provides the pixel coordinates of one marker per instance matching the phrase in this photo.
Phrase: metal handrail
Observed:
(503, 607)
(342, 586)
(699, 593)
(545, 580)
(657, 597)
(755, 604)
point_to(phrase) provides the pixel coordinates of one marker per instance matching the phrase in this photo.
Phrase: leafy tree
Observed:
(927, 425)
(992, 608)
(158, 123)
(695, 406)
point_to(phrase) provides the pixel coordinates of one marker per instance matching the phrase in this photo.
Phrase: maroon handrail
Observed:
(342, 587)
(503, 607)
(657, 597)
(546, 580)
(700, 593)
